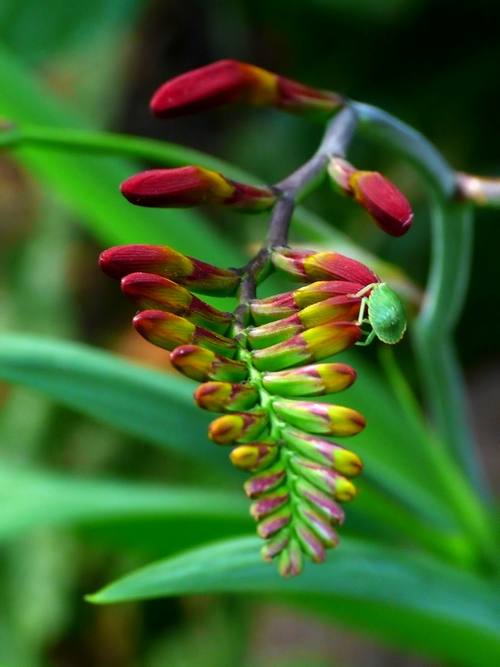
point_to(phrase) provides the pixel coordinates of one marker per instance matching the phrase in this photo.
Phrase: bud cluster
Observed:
(263, 366)
(259, 382)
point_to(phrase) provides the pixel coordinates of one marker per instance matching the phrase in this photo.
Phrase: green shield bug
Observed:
(385, 314)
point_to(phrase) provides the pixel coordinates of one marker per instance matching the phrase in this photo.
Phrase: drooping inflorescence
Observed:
(265, 366)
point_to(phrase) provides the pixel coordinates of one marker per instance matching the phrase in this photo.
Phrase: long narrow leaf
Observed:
(404, 598)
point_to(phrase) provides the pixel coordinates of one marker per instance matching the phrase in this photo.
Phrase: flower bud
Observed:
(310, 544)
(320, 418)
(229, 81)
(322, 502)
(260, 484)
(322, 451)
(237, 427)
(163, 261)
(269, 503)
(341, 488)
(169, 331)
(225, 396)
(290, 560)
(184, 187)
(275, 545)
(200, 364)
(311, 345)
(388, 207)
(149, 291)
(322, 529)
(273, 308)
(308, 265)
(315, 380)
(254, 456)
(274, 522)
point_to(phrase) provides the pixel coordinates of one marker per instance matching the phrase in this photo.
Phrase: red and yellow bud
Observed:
(238, 427)
(290, 560)
(200, 364)
(322, 529)
(273, 308)
(322, 451)
(269, 503)
(322, 502)
(341, 488)
(169, 331)
(308, 265)
(274, 522)
(254, 456)
(275, 545)
(184, 187)
(229, 82)
(225, 396)
(320, 418)
(336, 309)
(311, 545)
(163, 261)
(149, 291)
(388, 207)
(311, 345)
(315, 380)
(260, 484)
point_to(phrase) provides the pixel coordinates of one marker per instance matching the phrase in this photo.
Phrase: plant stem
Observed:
(446, 288)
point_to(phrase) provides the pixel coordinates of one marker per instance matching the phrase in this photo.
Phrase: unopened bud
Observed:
(320, 418)
(315, 380)
(260, 484)
(200, 364)
(341, 488)
(254, 456)
(290, 560)
(310, 543)
(274, 522)
(322, 502)
(322, 451)
(225, 396)
(237, 427)
(269, 503)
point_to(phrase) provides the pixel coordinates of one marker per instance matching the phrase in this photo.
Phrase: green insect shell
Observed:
(385, 314)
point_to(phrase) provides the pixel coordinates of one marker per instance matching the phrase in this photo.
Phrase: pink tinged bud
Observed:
(322, 529)
(311, 345)
(149, 291)
(238, 427)
(274, 332)
(169, 331)
(324, 452)
(384, 202)
(163, 261)
(184, 187)
(254, 456)
(322, 502)
(341, 488)
(307, 266)
(269, 503)
(260, 484)
(335, 309)
(218, 84)
(340, 171)
(201, 365)
(225, 396)
(301, 100)
(290, 560)
(320, 418)
(273, 308)
(315, 380)
(322, 290)
(275, 545)
(274, 522)
(311, 545)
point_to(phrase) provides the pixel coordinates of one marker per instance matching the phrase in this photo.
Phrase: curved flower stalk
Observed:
(265, 366)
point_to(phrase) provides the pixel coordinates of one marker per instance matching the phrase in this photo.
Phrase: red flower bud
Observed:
(229, 81)
(200, 364)
(194, 186)
(384, 202)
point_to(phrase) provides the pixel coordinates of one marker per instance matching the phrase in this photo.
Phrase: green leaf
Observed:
(404, 598)
(157, 407)
(89, 184)
(166, 518)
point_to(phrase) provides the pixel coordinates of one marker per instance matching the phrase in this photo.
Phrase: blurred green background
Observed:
(435, 65)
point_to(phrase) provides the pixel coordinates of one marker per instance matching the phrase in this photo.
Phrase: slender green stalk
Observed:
(446, 290)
